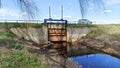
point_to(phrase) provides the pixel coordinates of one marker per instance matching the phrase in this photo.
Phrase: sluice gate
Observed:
(57, 34)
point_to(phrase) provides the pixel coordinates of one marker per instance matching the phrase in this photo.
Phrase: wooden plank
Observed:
(57, 38)
(56, 34)
(57, 31)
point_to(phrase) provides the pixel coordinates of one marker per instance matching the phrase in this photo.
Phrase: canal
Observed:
(97, 61)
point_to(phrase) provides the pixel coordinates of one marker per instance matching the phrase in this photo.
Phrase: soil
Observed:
(106, 44)
(49, 56)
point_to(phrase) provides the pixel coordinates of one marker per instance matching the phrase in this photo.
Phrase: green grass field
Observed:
(14, 55)
(36, 25)
(111, 29)
(14, 24)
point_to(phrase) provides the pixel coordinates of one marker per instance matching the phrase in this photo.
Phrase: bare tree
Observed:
(31, 8)
(85, 4)
(27, 6)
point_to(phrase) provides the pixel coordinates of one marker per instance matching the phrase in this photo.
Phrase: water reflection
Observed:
(97, 61)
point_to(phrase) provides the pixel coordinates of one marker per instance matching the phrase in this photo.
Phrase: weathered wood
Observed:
(57, 34)
(57, 31)
(57, 38)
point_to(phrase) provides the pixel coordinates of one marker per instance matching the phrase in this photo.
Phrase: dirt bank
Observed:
(103, 44)
(49, 56)
(104, 39)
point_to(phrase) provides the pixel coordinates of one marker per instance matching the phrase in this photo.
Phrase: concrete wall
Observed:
(39, 35)
(75, 34)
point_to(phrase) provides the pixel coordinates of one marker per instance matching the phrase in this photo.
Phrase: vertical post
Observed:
(49, 12)
(62, 12)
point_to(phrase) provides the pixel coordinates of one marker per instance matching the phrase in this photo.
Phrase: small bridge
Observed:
(57, 34)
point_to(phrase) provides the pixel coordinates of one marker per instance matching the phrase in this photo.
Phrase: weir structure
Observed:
(57, 33)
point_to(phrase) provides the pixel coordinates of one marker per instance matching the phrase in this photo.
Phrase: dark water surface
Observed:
(97, 61)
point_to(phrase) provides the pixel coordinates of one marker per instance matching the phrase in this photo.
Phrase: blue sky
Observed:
(111, 14)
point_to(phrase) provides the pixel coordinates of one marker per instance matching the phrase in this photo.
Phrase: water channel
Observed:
(97, 61)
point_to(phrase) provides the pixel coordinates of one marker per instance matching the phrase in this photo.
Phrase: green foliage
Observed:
(99, 30)
(15, 24)
(106, 30)
(7, 34)
(19, 59)
(81, 25)
(36, 25)
(17, 46)
(15, 55)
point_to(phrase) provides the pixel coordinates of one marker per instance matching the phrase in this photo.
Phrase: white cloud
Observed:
(8, 12)
(108, 11)
(112, 2)
(67, 17)
(23, 14)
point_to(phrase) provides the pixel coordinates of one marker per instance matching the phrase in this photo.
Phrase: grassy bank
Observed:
(36, 25)
(14, 55)
(113, 30)
(12, 24)
(81, 25)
